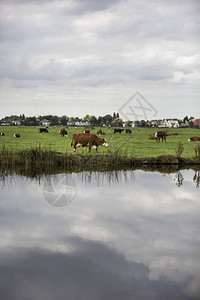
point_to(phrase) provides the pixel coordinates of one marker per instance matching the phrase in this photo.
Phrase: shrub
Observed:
(197, 150)
(179, 149)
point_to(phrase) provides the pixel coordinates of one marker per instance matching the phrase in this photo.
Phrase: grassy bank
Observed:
(136, 144)
(40, 161)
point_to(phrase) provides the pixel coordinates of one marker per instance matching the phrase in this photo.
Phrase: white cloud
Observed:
(93, 46)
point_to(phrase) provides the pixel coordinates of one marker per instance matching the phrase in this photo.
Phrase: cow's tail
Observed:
(71, 143)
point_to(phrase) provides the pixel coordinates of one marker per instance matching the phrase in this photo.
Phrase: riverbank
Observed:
(38, 161)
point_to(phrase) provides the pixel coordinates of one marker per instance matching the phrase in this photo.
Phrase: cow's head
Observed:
(105, 144)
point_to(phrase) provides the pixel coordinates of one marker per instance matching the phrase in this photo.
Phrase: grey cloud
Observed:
(93, 271)
(87, 6)
(83, 44)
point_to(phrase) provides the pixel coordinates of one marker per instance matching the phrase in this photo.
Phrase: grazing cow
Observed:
(2, 133)
(118, 130)
(99, 132)
(160, 135)
(86, 131)
(43, 130)
(194, 139)
(16, 135)
(87, 140)
(128, 131)
(63, 132)
(152, 137)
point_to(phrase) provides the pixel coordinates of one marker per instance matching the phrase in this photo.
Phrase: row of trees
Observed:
(107, 120)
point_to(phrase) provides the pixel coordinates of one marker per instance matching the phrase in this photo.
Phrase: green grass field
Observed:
(136, 144)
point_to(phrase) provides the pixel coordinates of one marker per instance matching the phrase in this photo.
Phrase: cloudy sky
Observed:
(78, 57)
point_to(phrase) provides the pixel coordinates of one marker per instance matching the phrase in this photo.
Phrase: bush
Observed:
(197, 150)
(179, 149)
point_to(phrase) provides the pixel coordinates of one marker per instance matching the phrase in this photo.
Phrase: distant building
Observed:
(5, 122)
(71, 123)
(196, 122)
(169, 123)
(16, 123)
(128, 124)
(183, 124)
(82, 123)
(46, 122)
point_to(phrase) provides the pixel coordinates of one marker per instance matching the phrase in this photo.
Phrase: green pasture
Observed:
(136, 144)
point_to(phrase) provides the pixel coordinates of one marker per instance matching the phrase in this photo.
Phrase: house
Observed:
(169, 123)
(82, 123)
(183, 124)
(16, 123)
(46, 122)
(5, 122)
(128, 124)
(71, 123)
(196, 123)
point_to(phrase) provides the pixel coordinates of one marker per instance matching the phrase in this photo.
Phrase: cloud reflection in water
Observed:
(136, 237)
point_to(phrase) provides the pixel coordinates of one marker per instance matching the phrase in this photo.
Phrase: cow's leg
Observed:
(75, 146)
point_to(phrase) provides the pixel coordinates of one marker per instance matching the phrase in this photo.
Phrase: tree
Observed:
(117, 122)
(63, 120)
(92, 120)
(86, 118)
(100, 121)
(30, 121)
(107, 120)
(185, 119)
(191, 124)
(54, 121)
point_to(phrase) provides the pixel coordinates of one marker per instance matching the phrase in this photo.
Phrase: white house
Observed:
(169, 123)
(82, 123)
(46, 122)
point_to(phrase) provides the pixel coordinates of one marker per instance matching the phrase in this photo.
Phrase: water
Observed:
(119, 235)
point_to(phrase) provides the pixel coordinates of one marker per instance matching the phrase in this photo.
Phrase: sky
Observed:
(78, 57)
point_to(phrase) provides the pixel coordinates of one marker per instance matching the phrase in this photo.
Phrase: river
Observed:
(110, 235)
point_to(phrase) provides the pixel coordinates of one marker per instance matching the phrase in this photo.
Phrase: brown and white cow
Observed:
(86, 130)
(99, 132)
(194, 139)
(2, 133)
(160, 135)
(152, 137)
(87, 140)
(16, 135)
(63, 132)
(128, 131)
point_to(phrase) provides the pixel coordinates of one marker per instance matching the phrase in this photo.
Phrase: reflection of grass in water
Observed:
(110, 177)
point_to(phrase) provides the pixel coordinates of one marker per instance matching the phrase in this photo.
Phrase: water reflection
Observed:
(178, 178)
(196, 178)
(127, 235)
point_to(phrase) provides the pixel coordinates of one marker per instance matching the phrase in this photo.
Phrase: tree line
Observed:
(107, 120)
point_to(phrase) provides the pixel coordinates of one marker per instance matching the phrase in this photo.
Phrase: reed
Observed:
(43, 161)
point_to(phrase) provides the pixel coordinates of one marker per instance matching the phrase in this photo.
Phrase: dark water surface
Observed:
(120, 235)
